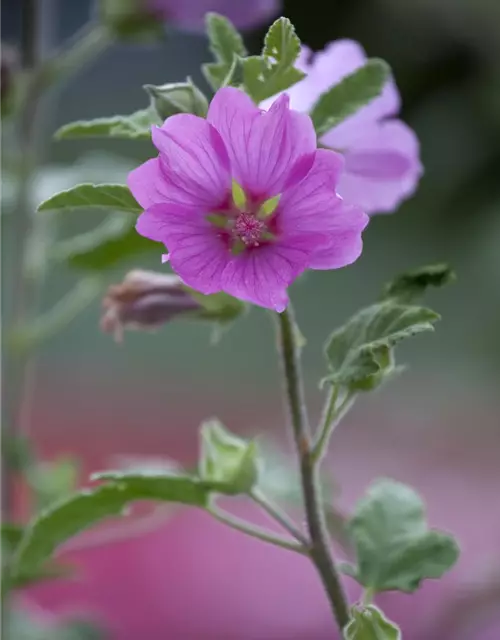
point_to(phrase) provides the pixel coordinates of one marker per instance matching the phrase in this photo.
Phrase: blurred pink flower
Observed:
(251, 239)
(190, 14)
(381, 152)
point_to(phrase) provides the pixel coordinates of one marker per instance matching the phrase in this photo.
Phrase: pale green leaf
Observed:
(63, 520)
(115, 197)
(348, 96)
(228, 464)
(227, 47)
(273, 71)
(369, 623)
(360, 353)
(177, 97)
(395, 549)
(136, 126)
(225, 41)
(412, 284)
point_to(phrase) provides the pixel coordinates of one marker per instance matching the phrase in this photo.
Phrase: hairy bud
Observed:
(144, 301)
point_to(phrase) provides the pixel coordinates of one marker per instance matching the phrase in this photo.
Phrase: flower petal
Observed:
(198, 254)
(383, 168)
(327, 68)
(308, 206)
(262, 275)
(265, 148)
(194, 162)
(344, 244)
(147, 183)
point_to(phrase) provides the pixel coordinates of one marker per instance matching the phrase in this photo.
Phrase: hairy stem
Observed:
(278, 515)
(254, 531)
(320, 544)
(333, 413)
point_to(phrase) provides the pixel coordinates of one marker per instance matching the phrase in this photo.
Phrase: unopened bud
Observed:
(145, 300)
(177, 97)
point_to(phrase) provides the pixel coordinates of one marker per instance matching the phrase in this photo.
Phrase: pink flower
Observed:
(244, 201)
(381, 152)
(190, 14)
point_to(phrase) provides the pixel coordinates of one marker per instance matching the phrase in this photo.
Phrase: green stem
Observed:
(279, 516)
(332, 416)
(320, 544)
(255, 532)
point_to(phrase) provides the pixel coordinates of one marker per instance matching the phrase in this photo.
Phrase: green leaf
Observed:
(116, 197)
(360, 354)
(177, 97)
(227, 46)
(395, 549)
(369, 623)
(225, 41)
(413, 284)
(136, 126)
(273, 71)
(110, 243)
(12, 534)
(349, 95)
(228, 464)
(11, 537)
(86, 508)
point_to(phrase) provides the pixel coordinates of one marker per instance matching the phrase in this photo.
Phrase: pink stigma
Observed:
(248, 228)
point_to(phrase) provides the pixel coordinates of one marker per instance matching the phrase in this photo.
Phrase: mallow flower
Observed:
(244, 201)
(381, 152)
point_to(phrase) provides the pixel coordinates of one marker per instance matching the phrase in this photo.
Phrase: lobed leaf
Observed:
(360, 353)
(413, 284)
(227, 46)
(348, 96)
(273, 71)
(395, 549)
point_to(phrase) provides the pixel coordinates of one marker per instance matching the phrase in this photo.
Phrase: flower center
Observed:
(249, 229)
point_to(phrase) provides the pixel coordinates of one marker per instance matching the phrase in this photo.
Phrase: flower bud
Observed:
(177, 97)
(145, 300)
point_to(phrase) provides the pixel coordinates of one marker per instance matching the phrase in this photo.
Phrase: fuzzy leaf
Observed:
(177, 97)
(225, 41)
(369, 623)
(395, 549)
(115, 197)
(413, 284)
(86, 508)
(228, 463)
(273, 71)
(227, 46)
(360, 353)
(136, 126)
(348, 96)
